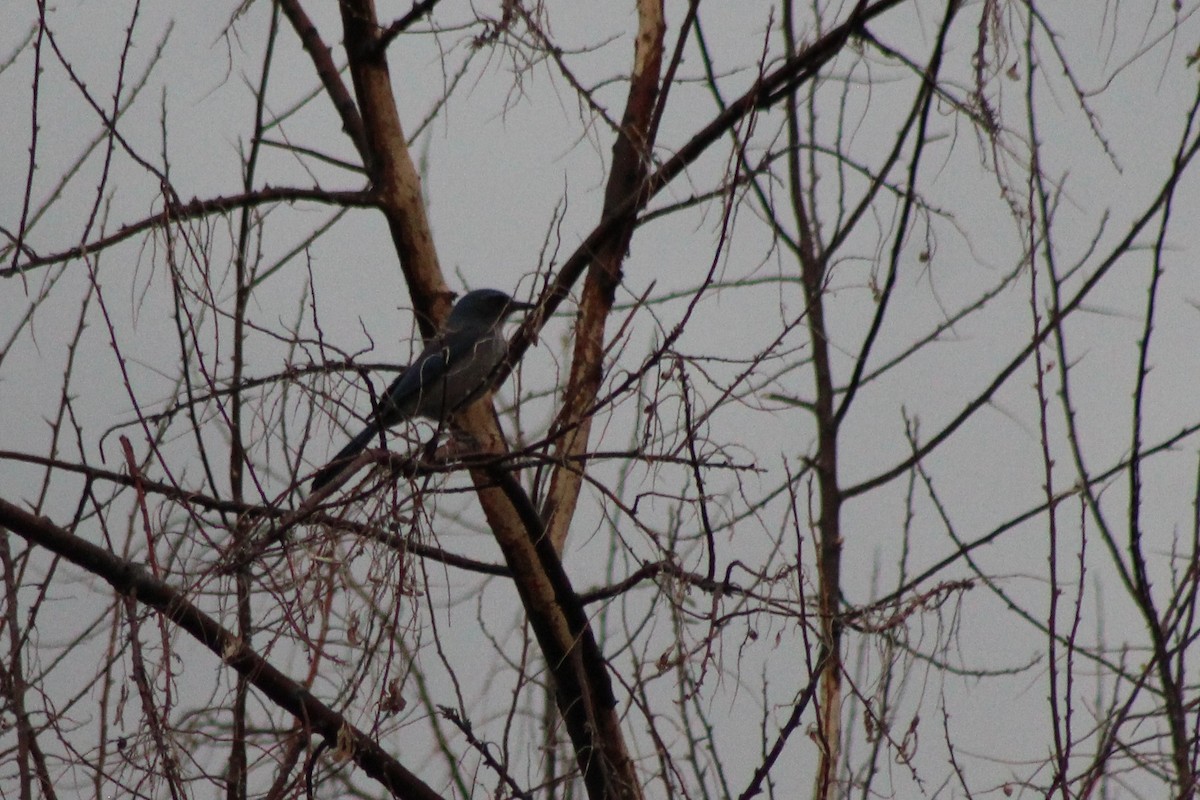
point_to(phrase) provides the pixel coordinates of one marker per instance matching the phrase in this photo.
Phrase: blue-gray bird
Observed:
(453, 370)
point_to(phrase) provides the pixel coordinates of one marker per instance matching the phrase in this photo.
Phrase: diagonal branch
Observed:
(193, 209)
(327, 71)
(764, 93)
(418, 10)
(132, 581)
(582, 685)
(389, 162)
(630, 167)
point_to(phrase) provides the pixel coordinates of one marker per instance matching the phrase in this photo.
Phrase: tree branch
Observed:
(194, 208)
(132, 581)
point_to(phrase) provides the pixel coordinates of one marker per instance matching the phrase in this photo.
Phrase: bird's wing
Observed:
(401, 398)
(392, 408)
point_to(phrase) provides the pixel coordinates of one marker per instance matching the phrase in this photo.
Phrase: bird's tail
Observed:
(339, 462)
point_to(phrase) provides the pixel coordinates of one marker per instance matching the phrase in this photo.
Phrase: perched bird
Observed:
(450, 372)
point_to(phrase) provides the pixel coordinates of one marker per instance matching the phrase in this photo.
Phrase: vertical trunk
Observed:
(829, 534)
(394, 177)
(630, 165)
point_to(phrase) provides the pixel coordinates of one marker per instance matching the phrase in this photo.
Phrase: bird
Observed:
(452, 370)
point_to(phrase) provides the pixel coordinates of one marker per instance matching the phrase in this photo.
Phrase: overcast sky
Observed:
(510, 147)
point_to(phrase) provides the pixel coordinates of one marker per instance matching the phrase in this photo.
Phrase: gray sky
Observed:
(510, 147)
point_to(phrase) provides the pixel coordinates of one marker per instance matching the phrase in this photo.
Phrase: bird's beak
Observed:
(516, 305)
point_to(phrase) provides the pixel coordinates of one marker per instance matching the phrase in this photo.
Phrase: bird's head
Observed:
(483, 308)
